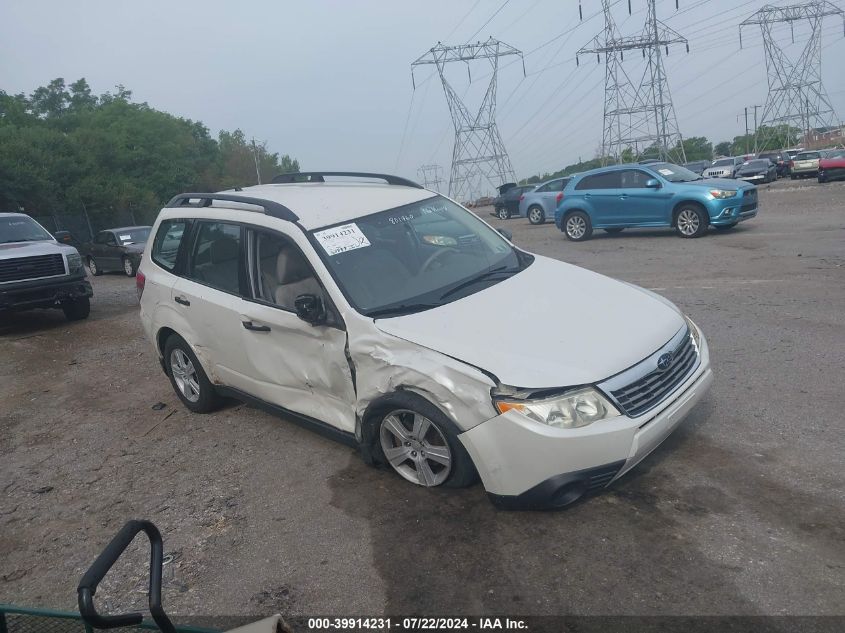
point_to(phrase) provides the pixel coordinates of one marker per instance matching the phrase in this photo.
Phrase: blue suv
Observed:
(655, 195)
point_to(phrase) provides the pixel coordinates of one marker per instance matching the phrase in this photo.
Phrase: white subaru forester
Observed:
(381, 314)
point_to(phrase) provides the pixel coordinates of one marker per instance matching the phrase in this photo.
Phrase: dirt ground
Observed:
(741, 511)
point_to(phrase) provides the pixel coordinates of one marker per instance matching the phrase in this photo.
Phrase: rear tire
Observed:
(577, 226)
(187, 376)
(502, 213)
(128, 267)
(691, 221)
(536, 214)
(77, 309)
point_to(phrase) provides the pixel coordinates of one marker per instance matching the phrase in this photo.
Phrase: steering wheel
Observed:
(435, 256)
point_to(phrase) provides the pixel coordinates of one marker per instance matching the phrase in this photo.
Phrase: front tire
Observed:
(77, 309)
(691, 221)
(577, 226)
(536, 214)
(92, 266)
(502, 213)
(420, 443)
(187, 376)
(129, 267)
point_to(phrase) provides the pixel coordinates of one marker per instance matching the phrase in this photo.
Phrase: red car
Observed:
(832, 167)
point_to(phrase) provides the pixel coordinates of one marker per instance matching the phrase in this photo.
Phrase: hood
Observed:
(137, 247)
(718, 183)
(551, 325)
(29, 249)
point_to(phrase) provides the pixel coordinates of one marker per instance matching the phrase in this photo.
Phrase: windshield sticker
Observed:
(126, 237)
(342, 239)
(666, 172)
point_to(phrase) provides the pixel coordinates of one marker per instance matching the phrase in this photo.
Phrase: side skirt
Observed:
(312, 424)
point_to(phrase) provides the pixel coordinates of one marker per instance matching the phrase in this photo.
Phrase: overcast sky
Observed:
(330, 82)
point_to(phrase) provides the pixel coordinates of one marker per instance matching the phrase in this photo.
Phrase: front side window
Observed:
(634, 179)
(280, 272)
(21, 228)
(166, 243)
(215, 256)
(102, 238)
(415, 257)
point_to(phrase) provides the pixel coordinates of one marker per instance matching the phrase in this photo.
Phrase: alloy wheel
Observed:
(502, 214)
(127, 267)
(575, 227)
(185, 375)
(92, 266)
(415, 447)
(688, 222)
(535, 215)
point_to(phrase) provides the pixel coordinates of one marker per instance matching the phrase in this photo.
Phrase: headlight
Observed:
(722, 193)
(696, 333)
(74, 263)
(568, 411)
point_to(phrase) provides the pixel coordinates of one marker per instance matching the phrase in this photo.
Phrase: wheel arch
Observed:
(688, 201)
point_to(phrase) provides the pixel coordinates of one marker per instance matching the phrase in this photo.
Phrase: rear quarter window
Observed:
(167, 242)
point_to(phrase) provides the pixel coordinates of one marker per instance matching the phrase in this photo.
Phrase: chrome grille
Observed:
(23, 268)
(648, 391)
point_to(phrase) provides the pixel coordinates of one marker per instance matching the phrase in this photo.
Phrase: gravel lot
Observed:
(741, 511)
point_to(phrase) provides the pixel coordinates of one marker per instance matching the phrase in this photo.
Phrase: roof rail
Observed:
(273, 209)
(318, 176)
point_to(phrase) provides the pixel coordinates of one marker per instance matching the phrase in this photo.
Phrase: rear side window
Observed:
(216, 256)
(166, 243)
(554, 185)
(607, 180)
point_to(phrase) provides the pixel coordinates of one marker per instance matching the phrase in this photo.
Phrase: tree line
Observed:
(64, 150)
(696, 148)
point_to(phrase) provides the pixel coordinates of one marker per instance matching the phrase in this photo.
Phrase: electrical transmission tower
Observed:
(479, 154)
(796, 97)
(638, 112)
(430, 175)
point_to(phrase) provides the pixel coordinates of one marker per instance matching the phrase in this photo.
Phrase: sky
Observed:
(329, 82)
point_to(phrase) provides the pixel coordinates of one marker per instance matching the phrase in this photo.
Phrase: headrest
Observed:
(291, 266)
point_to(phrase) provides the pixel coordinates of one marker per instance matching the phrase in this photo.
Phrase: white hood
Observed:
(552, 325)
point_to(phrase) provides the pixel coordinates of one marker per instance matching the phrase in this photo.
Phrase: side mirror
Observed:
(507, 234)
(63, 236)
(652, 183)
(310, 309)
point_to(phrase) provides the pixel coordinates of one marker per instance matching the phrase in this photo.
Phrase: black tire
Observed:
(207, 399)
(725, 227)
(128, 267)
(502, 213)
(576, 226)
(92, 266)
(614, 230)
(691, 221)
(77, 309)
(536, 214)
(462, 471)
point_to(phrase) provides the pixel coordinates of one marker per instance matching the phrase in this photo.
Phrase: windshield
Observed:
(19, 228)
(757, 164)
(674, 173)
(807, 156)
(133, 236)
(415, 257)
(722, 162)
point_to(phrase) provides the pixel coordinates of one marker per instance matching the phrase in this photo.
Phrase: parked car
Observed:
(757, 171)
(781, 160)
(326, 301)
(723, 167)
(507, 204)
(539, 205)
(832, 167)
(793, 152)
(39, 270)
(659, 195)
(116, 249)
(698, 166)
(805, 165)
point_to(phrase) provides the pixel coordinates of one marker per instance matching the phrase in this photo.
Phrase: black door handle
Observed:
(181, 300)
(249, 325)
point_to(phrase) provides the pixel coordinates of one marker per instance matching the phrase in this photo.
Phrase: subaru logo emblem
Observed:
(665, 361)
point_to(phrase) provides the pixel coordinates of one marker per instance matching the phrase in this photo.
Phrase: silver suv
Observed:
(37, 271)
(724, 167)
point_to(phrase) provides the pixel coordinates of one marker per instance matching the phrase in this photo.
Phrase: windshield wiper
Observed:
(18, 241)
(480, 277)
(404, 308)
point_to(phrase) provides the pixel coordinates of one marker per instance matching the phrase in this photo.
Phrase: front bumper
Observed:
(43, 293)
(527, 465)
